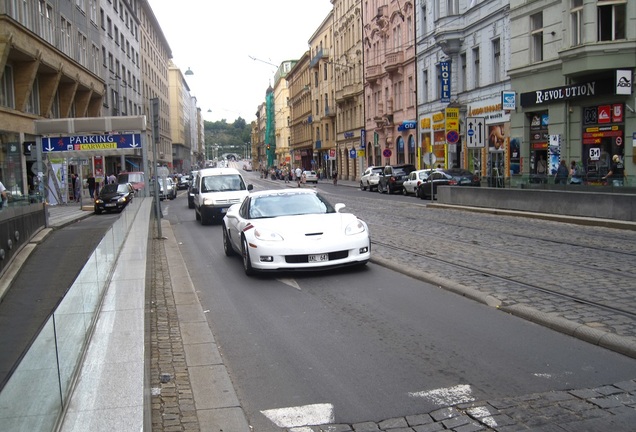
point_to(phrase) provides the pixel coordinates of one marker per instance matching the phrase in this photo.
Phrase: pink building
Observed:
(389, 84)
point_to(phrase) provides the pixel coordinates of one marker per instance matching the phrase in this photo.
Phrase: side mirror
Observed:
(195, 190)
(250, 187)
(339, 207)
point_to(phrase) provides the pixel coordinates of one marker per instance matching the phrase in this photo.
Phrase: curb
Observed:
(610, 341)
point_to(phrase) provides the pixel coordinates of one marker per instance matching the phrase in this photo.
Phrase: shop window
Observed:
(611, 20)
(33, 102)
(536, 37)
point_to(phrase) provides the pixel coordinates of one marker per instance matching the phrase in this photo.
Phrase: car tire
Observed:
(404, 192)
(197, 215)
(247, 262)
(380, 189)
(97, 211)
(227, 246)
(362, 186)
(420, 193)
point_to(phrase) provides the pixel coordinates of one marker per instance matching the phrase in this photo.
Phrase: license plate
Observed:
(110, 205)
(319, 258)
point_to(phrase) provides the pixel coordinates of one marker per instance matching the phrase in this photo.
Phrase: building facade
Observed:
(325, 160)
(349, 91)
(282, 114)
(300, 100)
(572, 68)
(389, 44)
(463, 57)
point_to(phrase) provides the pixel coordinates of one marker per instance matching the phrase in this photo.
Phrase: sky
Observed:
(217, 40)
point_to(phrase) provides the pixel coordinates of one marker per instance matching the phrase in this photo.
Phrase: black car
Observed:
(446, 177)
(393, 176)
(114, 197)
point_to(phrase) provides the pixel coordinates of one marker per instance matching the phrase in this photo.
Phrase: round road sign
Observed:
(452, 137)
(387, 153)
(429, 158)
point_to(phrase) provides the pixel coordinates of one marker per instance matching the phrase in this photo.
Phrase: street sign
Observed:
(430, 158)
(387, 153)
(452, 137)
(475, 132)
(352, 153)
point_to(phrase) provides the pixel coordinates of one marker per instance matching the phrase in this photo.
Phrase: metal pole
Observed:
(155, 132)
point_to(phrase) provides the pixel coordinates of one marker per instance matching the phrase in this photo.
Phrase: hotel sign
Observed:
(445, 71)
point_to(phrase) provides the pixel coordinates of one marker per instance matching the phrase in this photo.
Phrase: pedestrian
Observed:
(3, 193)
(576, 173)
(112, 179)
(616, 172)
(77, 188)
(298, 173)
(90, 182)
(335, 178)
(561, 176)
(542, 167)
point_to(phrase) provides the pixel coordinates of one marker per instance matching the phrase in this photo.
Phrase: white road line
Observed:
(307, 415)
(447, 396)
(290, 282)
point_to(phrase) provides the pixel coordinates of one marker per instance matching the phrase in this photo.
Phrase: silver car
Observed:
(370, 178)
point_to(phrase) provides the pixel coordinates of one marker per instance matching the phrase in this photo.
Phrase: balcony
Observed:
(347, 92)
(394, 61)
(322, 53)
(373, 73)
(330, 111)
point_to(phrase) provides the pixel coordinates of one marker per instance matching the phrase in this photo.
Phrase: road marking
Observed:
(307, 415)
(290, 282)
(447, 396)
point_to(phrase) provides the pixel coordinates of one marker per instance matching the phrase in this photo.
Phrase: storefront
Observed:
(587, 122)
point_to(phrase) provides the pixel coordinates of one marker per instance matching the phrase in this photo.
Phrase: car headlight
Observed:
(99, 201)
(266, 235)
(355, 227)
(121, 200)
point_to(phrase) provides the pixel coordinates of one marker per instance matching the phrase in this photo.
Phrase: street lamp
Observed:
(189, 72)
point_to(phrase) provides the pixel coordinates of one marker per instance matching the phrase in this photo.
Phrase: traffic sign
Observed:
(475, 132)
(387, 153)
(352, 153)
(452, 137)
(430, 158)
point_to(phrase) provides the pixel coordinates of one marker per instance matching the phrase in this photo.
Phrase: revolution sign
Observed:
(92, 142)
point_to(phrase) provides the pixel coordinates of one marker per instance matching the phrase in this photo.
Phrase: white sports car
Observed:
(294, 229)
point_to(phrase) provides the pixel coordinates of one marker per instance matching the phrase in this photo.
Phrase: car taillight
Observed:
(392, 179)
(419, 182)
(452, 182)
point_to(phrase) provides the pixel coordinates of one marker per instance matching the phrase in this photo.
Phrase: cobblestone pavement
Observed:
(607, 408)
(173, 408)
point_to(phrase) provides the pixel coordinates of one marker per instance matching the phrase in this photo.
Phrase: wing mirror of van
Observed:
(250, 187)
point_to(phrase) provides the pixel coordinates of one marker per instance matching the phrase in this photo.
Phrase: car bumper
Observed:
(269, 256)
(216, 212)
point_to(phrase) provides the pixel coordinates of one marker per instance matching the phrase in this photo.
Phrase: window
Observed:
(496, 60)
(46, 23)
(536, 37)
(82, 49)
(425, 86)
(452, 7)
(33, 102)
(476, 68)
(463, 77)
(411, 92)
(611, 20)
(7, 98)
(576, 15)
(93, 10)
(65, 36)
(397, 37)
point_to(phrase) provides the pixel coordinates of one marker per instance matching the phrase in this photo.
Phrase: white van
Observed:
(214, 190)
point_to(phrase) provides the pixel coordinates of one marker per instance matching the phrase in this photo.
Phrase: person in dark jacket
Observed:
(561, 176)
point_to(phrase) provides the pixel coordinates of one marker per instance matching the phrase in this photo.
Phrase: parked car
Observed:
(215, 190)
(136, 178)
(190, 193)
(310, 177)
(393, 176)
(183, 182)
(167, 190)
(414, 179)
(444, 177)
(370, 178)
(294, 229)
(114, 197)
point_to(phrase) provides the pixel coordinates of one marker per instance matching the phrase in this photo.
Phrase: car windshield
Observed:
(131, 178)
(288, 205)
(222, 183)
(110, 188)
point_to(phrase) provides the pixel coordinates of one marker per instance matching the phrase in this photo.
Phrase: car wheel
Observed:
(247, 262)
(197, 215)
(420, 193)
(380, 188)
(227, 247)
(98, 211)
(362, 186)
(404, 191)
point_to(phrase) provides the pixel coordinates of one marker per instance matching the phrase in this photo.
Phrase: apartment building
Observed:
(155, 62)
(282, 114)
(324, 160)
(50, 67)
(463, 55)
(347, 62)
(182, 115)
(389, 85)
(300, 100)
(572, 68)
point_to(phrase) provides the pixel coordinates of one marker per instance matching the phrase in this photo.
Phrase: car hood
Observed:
(111, 196)
(309, 227)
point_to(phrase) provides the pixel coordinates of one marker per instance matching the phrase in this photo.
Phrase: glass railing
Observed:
(34, 396)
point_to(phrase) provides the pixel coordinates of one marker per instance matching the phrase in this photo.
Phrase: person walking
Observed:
(335, 178)
(542, 168)
(576, 175)
(298, 173)
(112, 179)
(561, 176)
(617, 171)
(90, 182)
(77, 188)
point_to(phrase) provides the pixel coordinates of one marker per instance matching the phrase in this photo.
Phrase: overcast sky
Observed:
(216, 38)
